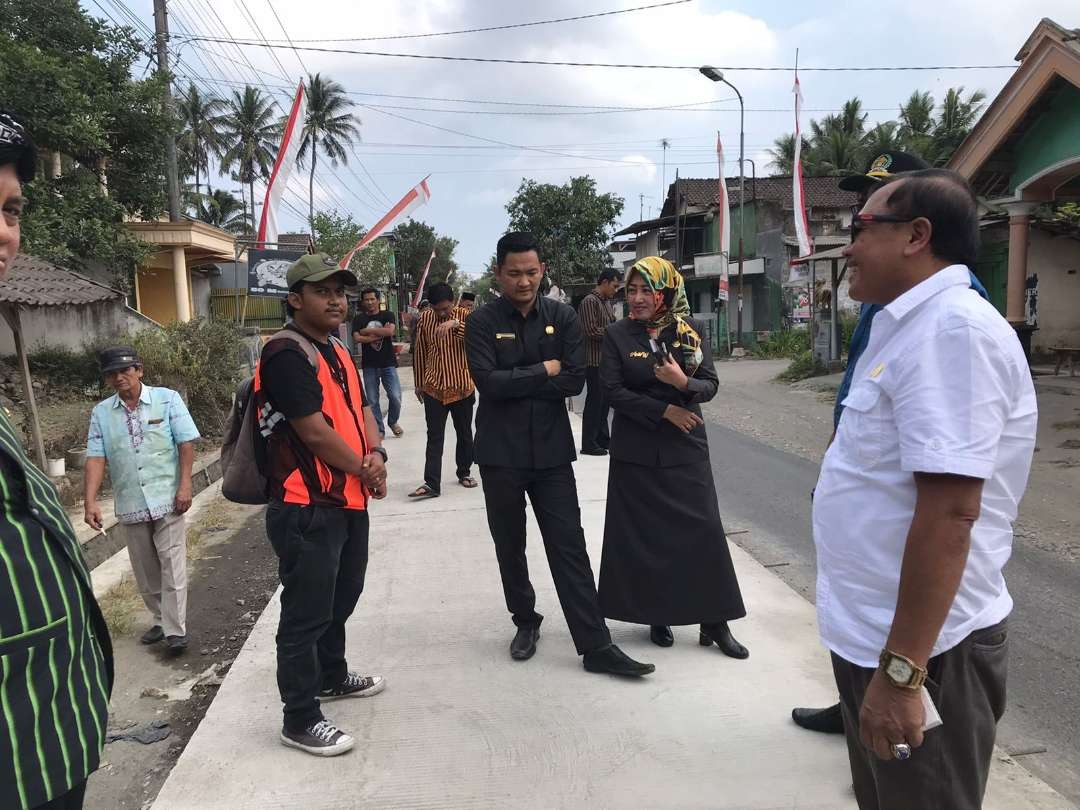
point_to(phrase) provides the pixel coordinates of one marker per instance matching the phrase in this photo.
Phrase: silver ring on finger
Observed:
(901, 751)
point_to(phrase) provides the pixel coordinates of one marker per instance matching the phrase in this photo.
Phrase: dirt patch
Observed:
(232, 574)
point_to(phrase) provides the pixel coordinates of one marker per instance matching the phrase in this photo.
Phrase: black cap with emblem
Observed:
(881, 168)
(16, 148)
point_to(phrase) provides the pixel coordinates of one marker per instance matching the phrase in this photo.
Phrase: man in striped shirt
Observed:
(596, 315)
(55, 653)
(444, 386)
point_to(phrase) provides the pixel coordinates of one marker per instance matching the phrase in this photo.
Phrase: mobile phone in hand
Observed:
(659, 351)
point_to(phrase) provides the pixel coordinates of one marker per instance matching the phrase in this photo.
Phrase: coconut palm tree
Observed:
(958, 115)
(251, 132)
(222, 210)
(200, 134)
(329, 125)
(916, 123)
(882, 138)
(782, 156)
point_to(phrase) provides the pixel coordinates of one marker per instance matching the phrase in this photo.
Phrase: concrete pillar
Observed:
(180, 284)
(1019, 227)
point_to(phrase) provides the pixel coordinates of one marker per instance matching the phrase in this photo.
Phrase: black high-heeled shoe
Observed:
(661, 636)
(721, 635)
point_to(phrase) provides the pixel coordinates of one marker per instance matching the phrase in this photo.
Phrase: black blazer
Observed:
(639, 433)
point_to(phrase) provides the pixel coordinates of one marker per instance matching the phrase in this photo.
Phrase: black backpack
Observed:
(243, 449)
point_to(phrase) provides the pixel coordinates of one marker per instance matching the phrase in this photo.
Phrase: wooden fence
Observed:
(247, 310)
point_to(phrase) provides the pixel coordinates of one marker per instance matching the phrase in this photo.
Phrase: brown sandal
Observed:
(468, 482)
(423, 491)
(397, 430)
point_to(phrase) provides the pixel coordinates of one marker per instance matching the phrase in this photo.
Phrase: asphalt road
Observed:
(766, 492)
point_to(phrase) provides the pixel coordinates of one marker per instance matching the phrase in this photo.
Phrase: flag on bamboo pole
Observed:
(802, 226)
(423, 280)
(283, 167)
(722, 222)
(416, 196)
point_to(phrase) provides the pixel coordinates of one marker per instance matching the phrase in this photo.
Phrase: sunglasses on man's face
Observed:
(859, 221)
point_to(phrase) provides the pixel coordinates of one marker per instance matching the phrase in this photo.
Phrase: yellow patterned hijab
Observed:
(672, 305)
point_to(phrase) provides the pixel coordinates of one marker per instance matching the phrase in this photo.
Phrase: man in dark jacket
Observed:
(55, 651)
(525, 355)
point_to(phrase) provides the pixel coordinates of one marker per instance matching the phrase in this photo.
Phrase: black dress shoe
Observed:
(523, 646)
(176, 644)
(826, 721)
(596, 451)
(153, 635)
(721, 635)
(661, 635)
(613, 661)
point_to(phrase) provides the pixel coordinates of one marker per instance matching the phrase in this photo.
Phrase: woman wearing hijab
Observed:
(665, 560)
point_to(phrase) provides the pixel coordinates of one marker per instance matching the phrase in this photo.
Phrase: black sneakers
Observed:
(153, 635)
(321, 739)
(355, 686)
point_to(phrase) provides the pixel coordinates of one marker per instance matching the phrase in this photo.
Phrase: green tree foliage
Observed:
(413, 245)
(222, 210)
(572, 222)
(841, 143)
(69, 78)
(251, 133)
(336, 235)
(329, 125)
(200, 133)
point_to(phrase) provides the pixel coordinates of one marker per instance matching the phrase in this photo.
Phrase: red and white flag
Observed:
(722, 222)
(417, 196)
(802, 226)
(283, 167)
(423, 280)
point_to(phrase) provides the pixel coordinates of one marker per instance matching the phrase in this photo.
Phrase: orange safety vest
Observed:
(295, 474)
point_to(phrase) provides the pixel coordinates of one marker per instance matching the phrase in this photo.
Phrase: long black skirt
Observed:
(666, 558)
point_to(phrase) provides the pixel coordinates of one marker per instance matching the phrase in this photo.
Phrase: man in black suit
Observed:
(525, 354)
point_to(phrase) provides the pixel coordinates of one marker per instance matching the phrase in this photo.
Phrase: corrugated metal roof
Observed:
(822, 192)
(37, 283)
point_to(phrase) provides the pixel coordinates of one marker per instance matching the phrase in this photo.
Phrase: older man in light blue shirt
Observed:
(146, 436)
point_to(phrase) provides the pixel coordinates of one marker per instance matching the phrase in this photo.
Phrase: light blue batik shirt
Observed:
(140, 447)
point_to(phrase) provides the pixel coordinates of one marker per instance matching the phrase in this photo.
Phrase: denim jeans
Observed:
(322, 560)
(389, 378)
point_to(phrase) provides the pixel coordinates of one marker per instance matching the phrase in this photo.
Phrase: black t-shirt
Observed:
(291, 383)
(379, 354)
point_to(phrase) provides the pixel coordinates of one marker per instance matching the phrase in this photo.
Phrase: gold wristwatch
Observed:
(901, 671)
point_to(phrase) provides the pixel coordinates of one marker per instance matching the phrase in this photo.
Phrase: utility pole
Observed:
(664, 143)
(161, 37)
(641, 207)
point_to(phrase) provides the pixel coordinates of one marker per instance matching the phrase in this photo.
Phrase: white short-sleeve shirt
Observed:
(943, 387)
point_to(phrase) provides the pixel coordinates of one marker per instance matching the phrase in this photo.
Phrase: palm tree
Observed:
(954, 122)
(221, 209)
(839, 152)
(251, 132)
(916, 123)
(329, 124)
(882, 138)
(782, 156)
(200, 135)
(851, 118)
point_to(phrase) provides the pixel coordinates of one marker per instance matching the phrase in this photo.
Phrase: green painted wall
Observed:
(1054, 137)
(992, 269)
(712, 237)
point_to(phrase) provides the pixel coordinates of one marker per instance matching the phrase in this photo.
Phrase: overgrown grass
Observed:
(801, 367)
(119, 606)
(788, 343)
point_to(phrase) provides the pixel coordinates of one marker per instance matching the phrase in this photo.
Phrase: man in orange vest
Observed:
(323, 462)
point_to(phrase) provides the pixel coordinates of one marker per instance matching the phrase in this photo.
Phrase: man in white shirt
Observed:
(914, 506)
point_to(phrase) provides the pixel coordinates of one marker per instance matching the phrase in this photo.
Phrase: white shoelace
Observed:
(325, 731)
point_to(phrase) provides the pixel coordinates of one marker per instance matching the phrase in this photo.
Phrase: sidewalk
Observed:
(461, 725)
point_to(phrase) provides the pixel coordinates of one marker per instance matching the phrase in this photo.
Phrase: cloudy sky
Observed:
(434, 117)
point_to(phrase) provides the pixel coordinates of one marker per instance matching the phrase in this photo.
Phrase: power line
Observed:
(628, 65)
(285, 31)
(490, 28)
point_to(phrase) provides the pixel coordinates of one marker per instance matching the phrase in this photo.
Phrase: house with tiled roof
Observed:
(686, 234)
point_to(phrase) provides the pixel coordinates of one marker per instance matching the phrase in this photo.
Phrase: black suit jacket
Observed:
(639, 432)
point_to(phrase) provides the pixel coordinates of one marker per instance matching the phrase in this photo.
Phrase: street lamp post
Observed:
(712, 74)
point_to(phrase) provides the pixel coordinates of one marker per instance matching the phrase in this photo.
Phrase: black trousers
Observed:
(72, 800)
(461, 413)
(322, 559)
(594, 421)
(949, 770)
(553, 495)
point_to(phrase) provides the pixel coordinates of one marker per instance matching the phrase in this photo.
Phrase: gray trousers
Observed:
(949, 770)
(158, 552)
